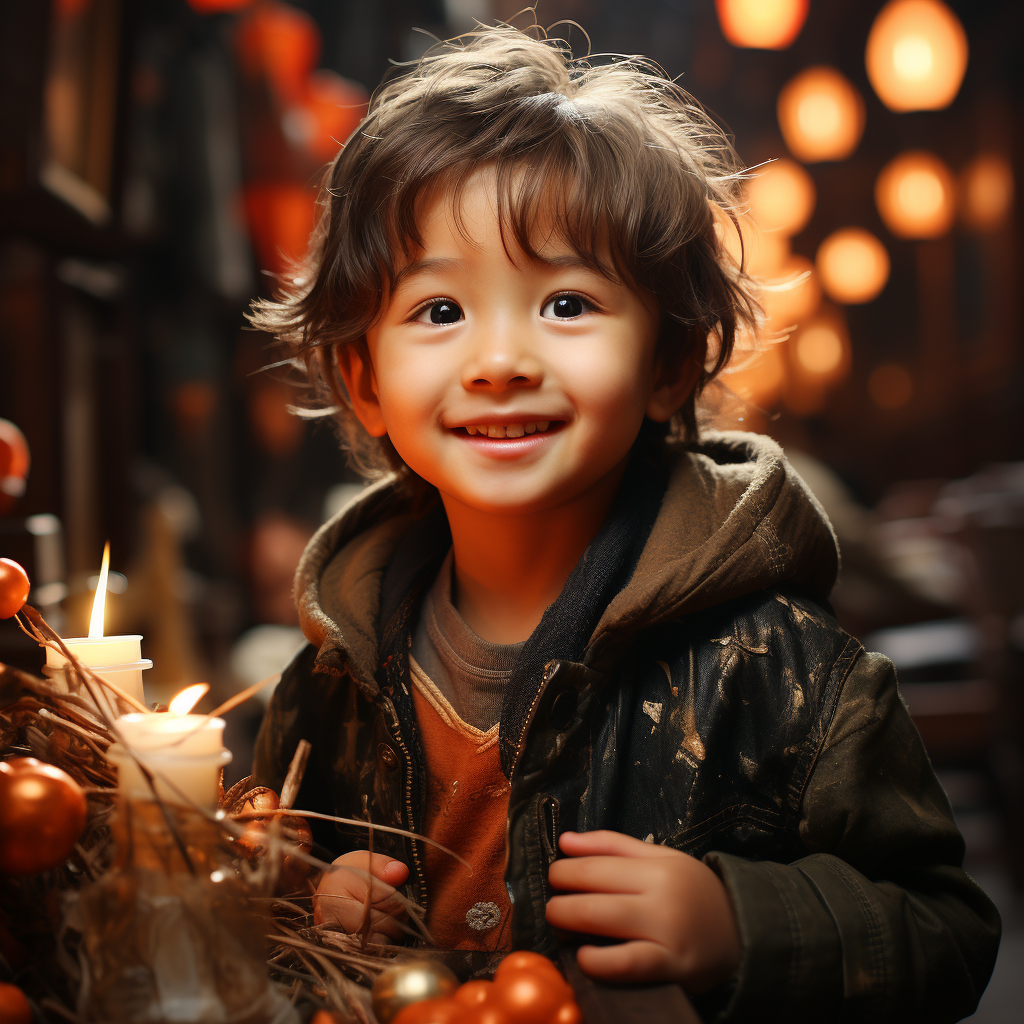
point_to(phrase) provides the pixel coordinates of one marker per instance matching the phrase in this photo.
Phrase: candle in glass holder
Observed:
(115, 658)
(184, 753)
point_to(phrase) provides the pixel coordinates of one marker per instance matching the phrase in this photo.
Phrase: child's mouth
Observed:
(503, 431)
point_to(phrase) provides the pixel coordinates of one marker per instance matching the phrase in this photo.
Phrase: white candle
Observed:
(184, 753)
(116, 658)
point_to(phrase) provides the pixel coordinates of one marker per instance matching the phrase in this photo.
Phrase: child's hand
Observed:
(670, 909)
(341, 895)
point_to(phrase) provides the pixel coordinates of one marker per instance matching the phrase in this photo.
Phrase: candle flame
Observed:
(100, 600)
(185, 701)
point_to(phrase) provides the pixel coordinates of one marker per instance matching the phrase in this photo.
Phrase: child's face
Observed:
(510, 388)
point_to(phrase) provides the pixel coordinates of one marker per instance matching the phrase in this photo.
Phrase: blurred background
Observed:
(159, 162)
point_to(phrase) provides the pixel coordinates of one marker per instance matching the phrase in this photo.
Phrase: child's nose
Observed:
(500, 359)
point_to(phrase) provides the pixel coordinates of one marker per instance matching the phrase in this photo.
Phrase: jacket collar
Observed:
(734, 519)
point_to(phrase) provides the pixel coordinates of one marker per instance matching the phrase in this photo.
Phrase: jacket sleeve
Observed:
(297, 711)
(878, 922)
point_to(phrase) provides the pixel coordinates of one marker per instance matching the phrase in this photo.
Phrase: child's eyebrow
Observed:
(425, 265)
(437, 264)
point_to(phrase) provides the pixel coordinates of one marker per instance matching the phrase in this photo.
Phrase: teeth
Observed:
(508, 430)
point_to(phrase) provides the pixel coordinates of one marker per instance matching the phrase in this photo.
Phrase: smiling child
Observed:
(564, 635)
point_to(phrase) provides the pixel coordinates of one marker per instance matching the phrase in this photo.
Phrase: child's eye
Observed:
(565, 307)
(440, 311)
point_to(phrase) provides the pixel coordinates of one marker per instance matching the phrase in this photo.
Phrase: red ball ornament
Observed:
(14, 587)
(42, 815)
(14, 1007)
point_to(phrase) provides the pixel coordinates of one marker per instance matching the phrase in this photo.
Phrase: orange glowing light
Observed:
(916, 55)
(759, 378)
(853, 264)
(914, 194)
(185, 701)
(821, 115)
(986, 192)
(820, 350)
(763, 24)
(781, 197)
(792, 296)
(760, 253)
(890, 386)
(99, 600)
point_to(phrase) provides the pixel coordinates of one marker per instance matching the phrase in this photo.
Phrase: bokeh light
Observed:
(914, 194)
(916, 55)
(792, 295)
(986, 192)
(781, 197)
(853, 264)
(758, 378)
(764, 24)
(821, 115)
(890, 386)
(820, 349)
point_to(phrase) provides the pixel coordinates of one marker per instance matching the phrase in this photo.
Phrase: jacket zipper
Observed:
(410, 824)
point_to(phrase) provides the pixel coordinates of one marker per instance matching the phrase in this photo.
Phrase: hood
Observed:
(735, 519)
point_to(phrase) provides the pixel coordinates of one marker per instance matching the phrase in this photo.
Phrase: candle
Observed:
(183, 752)
(116, 658)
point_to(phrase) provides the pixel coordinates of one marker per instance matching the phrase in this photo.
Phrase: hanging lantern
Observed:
(781, 197)
(217, 6)
(916, 55)
(821, 115)
(914, 195)
(792, 295)
(330, 109)
(282, 45)
(890, 386)
(986, 192)
(853, 264)
(764, 24)
(281, 217)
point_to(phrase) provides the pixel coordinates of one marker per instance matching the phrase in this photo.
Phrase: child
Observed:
(563, 637)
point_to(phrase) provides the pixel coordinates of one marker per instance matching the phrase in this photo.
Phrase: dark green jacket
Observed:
(690, 688)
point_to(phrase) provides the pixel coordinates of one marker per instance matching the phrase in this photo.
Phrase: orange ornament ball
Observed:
(14, 587)
(433, 1011)
(14, 1007)
(42, 815)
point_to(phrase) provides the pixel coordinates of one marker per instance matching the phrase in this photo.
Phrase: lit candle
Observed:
(116, 658)
(183, 752)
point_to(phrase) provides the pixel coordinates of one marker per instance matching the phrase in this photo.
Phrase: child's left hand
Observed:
(671, 911)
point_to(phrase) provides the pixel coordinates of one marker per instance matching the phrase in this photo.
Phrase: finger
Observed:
(346, 913)
(617, 916)
(596, 874)
(380, 865)
(639, 962)
(604, 842)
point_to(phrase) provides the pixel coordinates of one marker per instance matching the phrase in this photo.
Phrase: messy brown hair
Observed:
(625, 160)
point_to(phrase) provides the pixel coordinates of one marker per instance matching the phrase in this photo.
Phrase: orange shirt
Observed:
(466, 811)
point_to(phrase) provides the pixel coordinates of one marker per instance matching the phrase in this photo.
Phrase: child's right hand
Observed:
(341, 895)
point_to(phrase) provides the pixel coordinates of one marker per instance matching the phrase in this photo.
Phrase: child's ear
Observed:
(671, 390)
(356, 371)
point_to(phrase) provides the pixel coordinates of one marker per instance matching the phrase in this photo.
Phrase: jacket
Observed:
(692, 688)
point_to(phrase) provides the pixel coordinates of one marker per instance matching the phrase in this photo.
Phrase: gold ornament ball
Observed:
(410, 982)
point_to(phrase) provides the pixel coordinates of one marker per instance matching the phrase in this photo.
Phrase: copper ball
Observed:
(410, 982)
